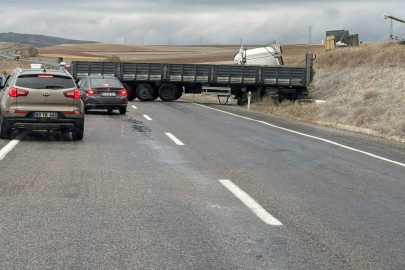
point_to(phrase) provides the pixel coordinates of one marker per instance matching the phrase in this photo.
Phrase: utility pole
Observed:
(169, 41)
(241, 41)
(391, 29)
(125, 42)
(310, 34)
(201, 41)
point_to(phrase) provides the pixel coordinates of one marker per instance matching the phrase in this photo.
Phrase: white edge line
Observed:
(251, 203)
(147, 117)
(171, 136)
(309, 136)
(134, 107)
(10, 146)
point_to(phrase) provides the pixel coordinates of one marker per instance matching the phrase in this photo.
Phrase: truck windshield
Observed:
(45, 82)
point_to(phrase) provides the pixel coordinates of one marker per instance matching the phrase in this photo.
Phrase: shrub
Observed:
(370, 93)
(32, 51)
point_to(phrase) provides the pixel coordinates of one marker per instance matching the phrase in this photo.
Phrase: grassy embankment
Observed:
(363, 88)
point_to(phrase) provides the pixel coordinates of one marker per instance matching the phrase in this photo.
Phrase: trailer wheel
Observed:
(144, 92)
(167, 92)
(131, 94)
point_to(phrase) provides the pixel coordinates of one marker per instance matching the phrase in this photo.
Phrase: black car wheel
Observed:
(123, 110)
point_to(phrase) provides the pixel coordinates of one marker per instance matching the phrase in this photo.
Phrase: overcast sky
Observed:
(184, 21)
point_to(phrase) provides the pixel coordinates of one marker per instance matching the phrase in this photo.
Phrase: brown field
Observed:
(292, 54)
(6, 66)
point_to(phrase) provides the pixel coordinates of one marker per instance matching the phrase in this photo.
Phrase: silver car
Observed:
(39, 99)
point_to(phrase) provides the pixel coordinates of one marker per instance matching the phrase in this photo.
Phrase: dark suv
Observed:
(103, 92)
(39, 99)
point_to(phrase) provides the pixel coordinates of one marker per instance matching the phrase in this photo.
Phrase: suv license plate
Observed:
(46, 114)
(108, 94)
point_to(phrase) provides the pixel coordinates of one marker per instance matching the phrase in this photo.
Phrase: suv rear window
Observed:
(102, 82)
(45, 81)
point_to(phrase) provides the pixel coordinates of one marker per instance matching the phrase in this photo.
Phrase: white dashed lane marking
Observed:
(171, 136)
(251, 203)
(147, 117)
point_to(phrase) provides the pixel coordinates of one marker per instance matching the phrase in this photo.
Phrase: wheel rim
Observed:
(144, 92)
(167, 92)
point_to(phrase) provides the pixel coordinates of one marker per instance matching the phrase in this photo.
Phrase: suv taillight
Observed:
(15, 92)
(72, 94)
(123, 92)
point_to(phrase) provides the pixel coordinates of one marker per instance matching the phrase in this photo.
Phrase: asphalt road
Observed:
(132, 196)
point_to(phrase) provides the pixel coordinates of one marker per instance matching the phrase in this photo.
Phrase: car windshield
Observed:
(110, 82)
(45, 82)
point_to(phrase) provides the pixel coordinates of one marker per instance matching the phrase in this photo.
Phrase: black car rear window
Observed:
(45, 81)
(110, 82)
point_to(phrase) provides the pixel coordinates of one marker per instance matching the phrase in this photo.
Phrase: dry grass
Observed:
(373, 54)
(370, 93)
(363, 88)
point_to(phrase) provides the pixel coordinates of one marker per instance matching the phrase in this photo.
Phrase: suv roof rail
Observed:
(67, 72)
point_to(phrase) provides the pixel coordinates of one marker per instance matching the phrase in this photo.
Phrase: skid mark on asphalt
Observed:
(308, 136)
(139, 126)
(251, 203)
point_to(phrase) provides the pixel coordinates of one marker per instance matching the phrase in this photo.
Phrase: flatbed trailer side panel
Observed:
(194, 76)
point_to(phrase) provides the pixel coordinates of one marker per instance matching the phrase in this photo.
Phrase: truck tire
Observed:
(5, 130)
(144, 92)
(167, 92)
(179, 92)
(130, 93)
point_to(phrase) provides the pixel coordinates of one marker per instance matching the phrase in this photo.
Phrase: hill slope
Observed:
(38, 40)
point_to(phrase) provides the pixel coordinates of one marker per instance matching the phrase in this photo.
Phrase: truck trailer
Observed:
(148, 81)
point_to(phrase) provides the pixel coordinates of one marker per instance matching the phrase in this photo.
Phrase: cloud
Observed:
(184, 21)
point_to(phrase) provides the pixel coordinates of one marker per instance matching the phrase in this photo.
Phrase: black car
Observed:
(103, 92)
